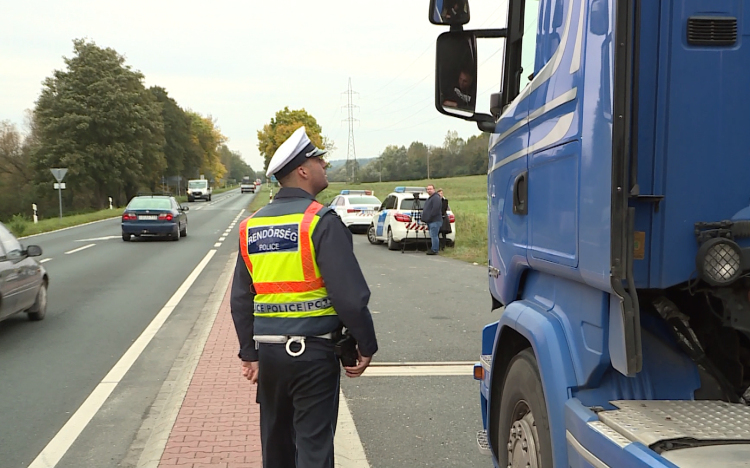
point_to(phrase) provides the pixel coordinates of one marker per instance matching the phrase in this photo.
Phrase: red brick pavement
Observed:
(218, 423)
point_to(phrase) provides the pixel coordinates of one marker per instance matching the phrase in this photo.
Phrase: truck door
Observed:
(508, 181)
(554, 152)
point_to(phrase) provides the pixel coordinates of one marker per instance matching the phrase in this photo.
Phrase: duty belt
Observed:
(289, 339)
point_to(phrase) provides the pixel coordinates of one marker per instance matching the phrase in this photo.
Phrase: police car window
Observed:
(341, 201)
(408, 203)
(390, 203)
(364, 200)
(10, 243)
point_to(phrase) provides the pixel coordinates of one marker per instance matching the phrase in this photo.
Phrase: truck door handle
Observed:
(520, 194)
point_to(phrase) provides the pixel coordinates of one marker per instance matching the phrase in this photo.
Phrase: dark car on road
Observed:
(23, 281)
(154, 215)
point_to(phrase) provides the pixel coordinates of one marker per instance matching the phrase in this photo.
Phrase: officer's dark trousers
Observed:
(299, 401)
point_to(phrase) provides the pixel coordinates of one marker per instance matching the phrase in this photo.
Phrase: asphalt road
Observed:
(101, 299)
(426, 309)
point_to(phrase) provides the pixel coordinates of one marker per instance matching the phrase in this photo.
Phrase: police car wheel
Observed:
(392, 244)
(371, 236)
(523, 436)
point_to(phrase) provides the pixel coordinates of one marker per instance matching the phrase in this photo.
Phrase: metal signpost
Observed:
(59, 175)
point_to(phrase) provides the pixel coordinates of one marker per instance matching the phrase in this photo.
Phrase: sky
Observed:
(242, 61)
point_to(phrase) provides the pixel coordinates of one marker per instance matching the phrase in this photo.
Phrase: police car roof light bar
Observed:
(357, 192)
(410, 189)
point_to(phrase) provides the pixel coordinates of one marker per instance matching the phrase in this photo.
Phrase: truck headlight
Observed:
(719, 261)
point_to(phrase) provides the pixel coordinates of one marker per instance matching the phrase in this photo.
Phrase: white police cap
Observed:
(292, 153)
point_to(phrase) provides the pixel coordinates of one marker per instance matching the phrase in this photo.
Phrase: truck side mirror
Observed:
(449, 12)
(456, 77)
(496, 104)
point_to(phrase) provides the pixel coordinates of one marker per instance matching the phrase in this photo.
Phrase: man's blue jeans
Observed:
(434, 233)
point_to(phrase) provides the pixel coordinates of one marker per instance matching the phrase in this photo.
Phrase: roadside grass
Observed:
(467, 199)
(23, 226)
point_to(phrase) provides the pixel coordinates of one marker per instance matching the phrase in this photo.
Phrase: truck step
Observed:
(653, 421)
(484, 443)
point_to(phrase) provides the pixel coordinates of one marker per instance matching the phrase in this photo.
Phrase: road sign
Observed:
(60, 186)
(59, 173)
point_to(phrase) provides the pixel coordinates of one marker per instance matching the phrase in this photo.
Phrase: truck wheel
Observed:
(209, 198)
(190, 199)
(392, 244)
(523, 437)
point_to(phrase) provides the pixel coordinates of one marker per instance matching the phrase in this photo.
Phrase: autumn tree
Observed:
(98, 120)
(209, 138)
(282, 126)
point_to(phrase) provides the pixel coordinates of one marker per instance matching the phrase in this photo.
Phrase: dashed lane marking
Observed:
(45, 260)
(79, 249)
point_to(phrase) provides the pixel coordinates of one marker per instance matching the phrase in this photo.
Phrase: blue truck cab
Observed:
(618, 193)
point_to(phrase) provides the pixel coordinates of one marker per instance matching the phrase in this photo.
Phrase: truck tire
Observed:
(190, 199)
(523, 436)
(209, 198)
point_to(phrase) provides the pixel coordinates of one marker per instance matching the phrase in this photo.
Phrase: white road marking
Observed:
(222, 239)
(45, 260)
(409, 371)
(218, 244)
(347, 445)
(71, 227)
(98, 238)
(79, 249)
(59, 445)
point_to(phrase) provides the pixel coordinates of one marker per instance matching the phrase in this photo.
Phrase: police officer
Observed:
(296, 282)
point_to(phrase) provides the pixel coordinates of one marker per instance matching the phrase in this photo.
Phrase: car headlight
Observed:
(719, 261)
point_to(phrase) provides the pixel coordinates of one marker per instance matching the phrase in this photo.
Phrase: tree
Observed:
(237, 168)
(209, 138)
(282, 126)
(97, 119)
(182, 153)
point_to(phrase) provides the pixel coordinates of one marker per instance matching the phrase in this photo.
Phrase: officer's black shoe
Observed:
(431, 252)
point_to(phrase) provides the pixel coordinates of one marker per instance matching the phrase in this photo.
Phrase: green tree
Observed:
(97, 119)
(282, 126)
(237, 168)
(182, 152)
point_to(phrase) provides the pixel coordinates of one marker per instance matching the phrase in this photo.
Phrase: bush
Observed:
(18, 224)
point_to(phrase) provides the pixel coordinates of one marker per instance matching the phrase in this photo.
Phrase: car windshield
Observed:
(365, 200)
(197, 184)
(408, 203)
(149, 204)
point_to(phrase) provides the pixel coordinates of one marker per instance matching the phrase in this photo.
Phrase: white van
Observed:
(198, 188)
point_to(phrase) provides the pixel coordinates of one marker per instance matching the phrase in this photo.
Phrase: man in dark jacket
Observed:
(432, 217)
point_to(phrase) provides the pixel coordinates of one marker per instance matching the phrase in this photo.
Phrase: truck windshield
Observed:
(197, 184)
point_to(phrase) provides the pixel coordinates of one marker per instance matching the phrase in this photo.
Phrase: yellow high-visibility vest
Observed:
(291, 297)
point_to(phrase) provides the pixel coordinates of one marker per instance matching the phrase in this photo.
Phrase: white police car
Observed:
(399, 219)
(355, 207)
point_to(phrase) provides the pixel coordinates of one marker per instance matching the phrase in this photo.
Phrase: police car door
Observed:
(384, 215)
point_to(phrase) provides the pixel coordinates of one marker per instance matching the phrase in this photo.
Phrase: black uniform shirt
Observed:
(347, 288)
